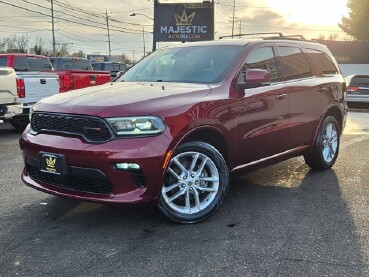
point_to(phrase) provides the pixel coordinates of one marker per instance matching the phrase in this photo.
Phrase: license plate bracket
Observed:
(53, 163)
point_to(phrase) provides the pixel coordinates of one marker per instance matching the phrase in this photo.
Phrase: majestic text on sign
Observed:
(184, 22)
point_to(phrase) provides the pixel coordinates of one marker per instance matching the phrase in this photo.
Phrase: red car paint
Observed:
(249, 127)
(76, 78)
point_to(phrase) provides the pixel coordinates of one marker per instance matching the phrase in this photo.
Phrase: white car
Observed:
(9, 105)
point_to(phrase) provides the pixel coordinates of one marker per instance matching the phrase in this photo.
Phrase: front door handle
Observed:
(281, 96)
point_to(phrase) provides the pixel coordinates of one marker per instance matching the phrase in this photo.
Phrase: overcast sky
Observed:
(88, 32)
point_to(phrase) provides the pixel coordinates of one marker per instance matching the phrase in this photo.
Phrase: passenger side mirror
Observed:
(255, 78)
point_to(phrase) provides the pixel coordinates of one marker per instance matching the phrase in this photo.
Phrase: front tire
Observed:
(324, 152)
(195, 183)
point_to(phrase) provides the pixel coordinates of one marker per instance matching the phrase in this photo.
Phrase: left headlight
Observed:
(136, 126)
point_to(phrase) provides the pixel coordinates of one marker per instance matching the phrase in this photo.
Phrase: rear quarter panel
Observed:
(83, 78)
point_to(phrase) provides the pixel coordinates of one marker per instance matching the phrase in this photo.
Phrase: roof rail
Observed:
(277, 35)
(251, 34)
(295, 36)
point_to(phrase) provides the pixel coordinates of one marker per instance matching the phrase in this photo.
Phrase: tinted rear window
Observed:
(75, 64)
(3, 61)
(294, 63)
(96, 66)
(324, 62)
(108, 67)
(32, 64)
(359, 81)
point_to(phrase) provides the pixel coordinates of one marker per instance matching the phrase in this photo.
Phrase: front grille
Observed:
(74, 182)
(93, 129)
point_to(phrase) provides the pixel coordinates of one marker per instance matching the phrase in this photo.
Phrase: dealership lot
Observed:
(284, 220)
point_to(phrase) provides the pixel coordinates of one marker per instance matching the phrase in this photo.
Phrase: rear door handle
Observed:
(321, 89)
(281, 96)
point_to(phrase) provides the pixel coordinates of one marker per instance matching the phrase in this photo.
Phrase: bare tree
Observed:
(22, 43)
(2, 45)
(79, 54)
(15, 44)
(39, 46)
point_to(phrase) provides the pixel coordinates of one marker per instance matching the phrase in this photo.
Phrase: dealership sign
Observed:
(184, 22)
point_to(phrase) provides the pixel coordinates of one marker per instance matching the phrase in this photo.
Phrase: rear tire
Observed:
(195, 183)
(325, 150)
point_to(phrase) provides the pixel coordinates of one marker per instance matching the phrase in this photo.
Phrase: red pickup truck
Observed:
(76, 73)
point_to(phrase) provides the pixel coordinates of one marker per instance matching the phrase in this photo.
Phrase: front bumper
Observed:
(90, 172)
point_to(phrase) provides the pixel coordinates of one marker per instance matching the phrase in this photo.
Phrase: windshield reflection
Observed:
(193, 64)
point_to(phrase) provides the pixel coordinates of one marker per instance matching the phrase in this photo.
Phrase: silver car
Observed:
(357, 88)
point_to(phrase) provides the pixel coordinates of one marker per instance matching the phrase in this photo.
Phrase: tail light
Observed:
(352, 89)
(67, 81)
(21, 91)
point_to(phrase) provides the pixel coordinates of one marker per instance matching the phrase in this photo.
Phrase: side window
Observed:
(260, 58)
(109, 67)
(323, 61)
(116, 67)
(294, 63)
(3, 61)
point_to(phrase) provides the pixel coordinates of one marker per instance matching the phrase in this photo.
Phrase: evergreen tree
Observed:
(357, 22)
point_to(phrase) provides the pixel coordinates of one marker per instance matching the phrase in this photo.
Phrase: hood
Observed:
(129, 99)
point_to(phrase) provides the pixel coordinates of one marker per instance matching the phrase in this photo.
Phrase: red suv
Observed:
(171, 130)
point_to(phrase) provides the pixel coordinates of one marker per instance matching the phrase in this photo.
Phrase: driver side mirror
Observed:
(255, 78)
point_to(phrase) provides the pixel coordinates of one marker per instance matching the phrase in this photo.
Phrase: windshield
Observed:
(193, 64)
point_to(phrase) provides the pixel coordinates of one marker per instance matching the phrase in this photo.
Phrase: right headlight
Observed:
(136, 126)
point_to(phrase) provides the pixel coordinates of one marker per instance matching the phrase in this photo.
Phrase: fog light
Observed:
(126, 166)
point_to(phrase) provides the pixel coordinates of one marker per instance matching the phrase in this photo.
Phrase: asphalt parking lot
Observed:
(284, 220)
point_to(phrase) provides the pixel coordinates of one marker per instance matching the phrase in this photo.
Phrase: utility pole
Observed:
(156, 3)
(107, 26)
(234, 8)
(53, 26)
(240, 28)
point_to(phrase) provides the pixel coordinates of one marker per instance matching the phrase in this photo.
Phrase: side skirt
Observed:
(271, 159)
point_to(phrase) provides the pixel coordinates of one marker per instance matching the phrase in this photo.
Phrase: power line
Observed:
(80, 10)
(40, 6)
(71, 21)
(69, 6)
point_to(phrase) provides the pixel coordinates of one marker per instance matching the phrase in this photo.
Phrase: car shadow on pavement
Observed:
(306, 212)
(271, 224)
